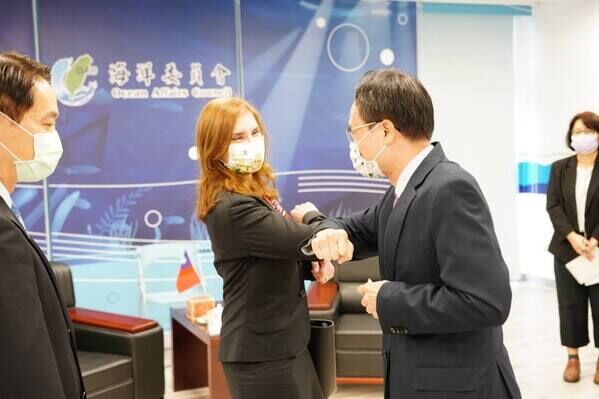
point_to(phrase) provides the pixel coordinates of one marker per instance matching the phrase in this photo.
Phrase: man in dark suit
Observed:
(445, 291)
(37, 343)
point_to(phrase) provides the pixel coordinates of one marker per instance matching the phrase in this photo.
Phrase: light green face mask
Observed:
(47, 150)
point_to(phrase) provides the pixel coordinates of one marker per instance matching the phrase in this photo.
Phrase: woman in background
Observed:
(573, 206)
(265, 322)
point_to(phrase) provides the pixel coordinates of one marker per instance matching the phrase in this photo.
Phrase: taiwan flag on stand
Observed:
(187, 277)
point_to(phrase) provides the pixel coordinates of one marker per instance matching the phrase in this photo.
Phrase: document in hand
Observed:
(585, 271)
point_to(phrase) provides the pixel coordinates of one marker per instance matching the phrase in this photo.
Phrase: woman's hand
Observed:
(578, 242)
(323, 271)
(591, 245)
(300, 211)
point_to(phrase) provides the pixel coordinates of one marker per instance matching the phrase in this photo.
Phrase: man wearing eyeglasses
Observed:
(445, 291)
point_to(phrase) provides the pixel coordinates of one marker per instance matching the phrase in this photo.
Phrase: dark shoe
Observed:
(572, 371)
(596, 379)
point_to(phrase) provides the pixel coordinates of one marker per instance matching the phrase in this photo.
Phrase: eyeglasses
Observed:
(350, 131)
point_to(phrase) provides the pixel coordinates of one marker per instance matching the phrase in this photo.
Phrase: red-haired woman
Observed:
(265, 326)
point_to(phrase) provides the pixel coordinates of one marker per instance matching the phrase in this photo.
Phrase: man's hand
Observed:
(369, 292)
(323, 271)
(300, 211)
(332, 244)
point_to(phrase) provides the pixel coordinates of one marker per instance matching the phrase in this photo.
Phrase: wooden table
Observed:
(195, 357)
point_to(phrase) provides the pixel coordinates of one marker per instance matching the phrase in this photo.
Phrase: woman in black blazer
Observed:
(265, 322)
(573, 207)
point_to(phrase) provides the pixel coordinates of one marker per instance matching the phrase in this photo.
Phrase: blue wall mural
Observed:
(131, 81)
(16, 20)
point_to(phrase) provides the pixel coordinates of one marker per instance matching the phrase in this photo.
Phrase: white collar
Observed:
(409, 170)
(5, 195)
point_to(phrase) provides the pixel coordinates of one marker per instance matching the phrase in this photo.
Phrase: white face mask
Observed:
(362, 166)
(47, 150)
(585, 143)
(246, 157)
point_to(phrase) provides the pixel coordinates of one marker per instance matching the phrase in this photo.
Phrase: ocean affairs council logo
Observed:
(69, 79)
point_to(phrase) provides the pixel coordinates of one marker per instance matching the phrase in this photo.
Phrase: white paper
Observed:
(585, 271)
(215, 320)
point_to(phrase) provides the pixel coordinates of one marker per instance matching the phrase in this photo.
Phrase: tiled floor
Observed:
(532, 339)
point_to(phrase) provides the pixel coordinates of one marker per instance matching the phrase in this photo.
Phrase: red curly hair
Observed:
(214, 132)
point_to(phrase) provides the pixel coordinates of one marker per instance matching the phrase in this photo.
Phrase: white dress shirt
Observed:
(583, 179)
(409, 170)
(5, 195)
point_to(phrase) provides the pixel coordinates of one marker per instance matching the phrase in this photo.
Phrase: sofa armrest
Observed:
(110, 321)
(321, 296)
(323, 301)
(146, 349)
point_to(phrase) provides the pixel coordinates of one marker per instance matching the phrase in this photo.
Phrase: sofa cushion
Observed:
(122, 391)
(350, 298)
(101, 370)
(358, 331)
(358, 271)
(359, 363)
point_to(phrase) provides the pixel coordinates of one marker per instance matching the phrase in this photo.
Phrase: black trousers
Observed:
(293, 378)
(573, 300)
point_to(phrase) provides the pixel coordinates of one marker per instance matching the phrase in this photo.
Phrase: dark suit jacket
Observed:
(448, 292)
(38, 357)
(265, 315)
(561, 206)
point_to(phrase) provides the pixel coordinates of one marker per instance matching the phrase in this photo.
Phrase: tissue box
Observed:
(199, 306)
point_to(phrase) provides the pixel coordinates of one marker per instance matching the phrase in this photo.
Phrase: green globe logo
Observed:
(69, 79)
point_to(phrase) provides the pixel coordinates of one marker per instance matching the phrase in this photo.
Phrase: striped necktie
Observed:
(16, 212)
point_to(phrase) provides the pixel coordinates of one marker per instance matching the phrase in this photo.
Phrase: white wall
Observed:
(556, 76)
(466, 63)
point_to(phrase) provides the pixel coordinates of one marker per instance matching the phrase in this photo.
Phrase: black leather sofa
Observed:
(121, 357)
(358, 336)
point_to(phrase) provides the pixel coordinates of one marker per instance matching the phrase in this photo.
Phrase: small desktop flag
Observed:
(187, 277)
